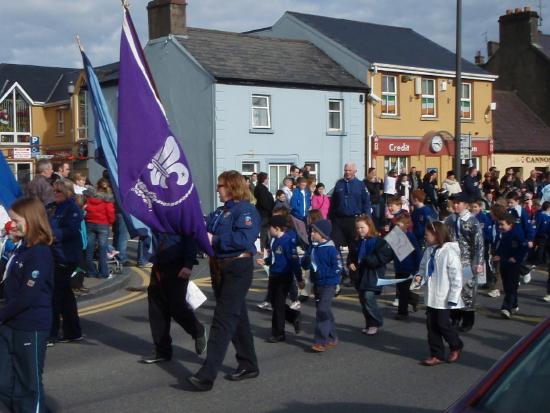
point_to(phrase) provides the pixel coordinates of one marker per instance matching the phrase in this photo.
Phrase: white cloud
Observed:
(42, 32)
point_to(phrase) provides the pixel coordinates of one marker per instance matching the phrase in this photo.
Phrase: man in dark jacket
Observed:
(471, 184)
(173, 259)
(415, 179)
(264, 205)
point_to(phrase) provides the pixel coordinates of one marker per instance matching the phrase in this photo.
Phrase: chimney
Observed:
(518, 28)
(479, 59)
(492, 47)
(166, 17)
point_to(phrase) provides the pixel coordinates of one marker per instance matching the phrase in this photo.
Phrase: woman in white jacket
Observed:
(441, 270)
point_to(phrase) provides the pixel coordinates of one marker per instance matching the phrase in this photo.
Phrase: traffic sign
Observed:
(465, 147)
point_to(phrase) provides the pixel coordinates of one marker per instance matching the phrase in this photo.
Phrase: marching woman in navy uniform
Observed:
(232, 229)
(26, 318)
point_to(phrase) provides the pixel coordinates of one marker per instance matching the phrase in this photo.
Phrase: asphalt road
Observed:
(378, 374)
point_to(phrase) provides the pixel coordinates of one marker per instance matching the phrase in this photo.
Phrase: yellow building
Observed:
(42, 115)
(411, 118)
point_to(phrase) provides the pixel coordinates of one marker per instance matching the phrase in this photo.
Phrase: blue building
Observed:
(252, 103)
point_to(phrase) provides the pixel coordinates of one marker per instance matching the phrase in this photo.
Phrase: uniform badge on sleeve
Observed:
(248, 220)
(35, 274)
(30, 283)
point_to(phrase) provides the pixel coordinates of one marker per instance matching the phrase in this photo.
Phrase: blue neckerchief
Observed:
(366, 248)
(431, 262)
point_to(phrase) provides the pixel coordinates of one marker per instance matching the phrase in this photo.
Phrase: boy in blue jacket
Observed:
(324, 263)
(300, 203)
(284, 266)
(403, 269)
(510, 252)
(422, 214)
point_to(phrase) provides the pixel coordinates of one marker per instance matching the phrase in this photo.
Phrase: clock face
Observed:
(437, 143)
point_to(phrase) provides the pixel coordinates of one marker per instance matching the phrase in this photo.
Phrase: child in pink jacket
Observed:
(320, 201)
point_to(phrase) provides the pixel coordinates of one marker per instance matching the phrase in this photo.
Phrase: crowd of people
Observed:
(463, 236)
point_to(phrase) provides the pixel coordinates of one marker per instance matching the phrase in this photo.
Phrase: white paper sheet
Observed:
(195, 297)
(382, 281)
(399, 243)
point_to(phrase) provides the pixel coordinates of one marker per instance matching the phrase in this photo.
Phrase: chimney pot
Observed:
(517, 10)
(167, 17)
(527, 9)
(508, 12)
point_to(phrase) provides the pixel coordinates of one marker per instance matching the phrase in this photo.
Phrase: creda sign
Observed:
(403, 147)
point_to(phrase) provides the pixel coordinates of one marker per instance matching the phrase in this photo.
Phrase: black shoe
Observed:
(243, 374)
(401, 317)
(70, 340)
(276, 339)
(201, 343)
(297, 325)
(303, 298)
(200, 385)
(155, 358)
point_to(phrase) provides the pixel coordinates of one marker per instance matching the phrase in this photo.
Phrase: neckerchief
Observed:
(431, 262)
(366, 248)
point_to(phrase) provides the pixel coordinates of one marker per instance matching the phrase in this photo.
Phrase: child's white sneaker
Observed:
(371, 331)
(506, 314)
(494, 293)
(526, 279)
(515, 310)
(546, 298)
(265, 306)
(395, 302)
(295, 305)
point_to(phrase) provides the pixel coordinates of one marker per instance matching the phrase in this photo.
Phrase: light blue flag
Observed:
(106, 136)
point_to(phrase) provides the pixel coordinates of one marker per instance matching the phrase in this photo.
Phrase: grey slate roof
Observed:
(42, 84)
(544, 42)
(378, 43)
(235, 57)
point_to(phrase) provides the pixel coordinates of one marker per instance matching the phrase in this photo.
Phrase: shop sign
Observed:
(535, 159)
(397, 147)
(21, 153)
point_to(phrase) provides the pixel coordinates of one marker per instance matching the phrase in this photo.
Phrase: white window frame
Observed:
(463, 99)
(386, 93)
(397, 162)
(268, 108)
(340, 111)
(60, 122)
(426, 96)
(82, 124)
(256, 168)
(15, 169)
(275, 184)
(17, 134)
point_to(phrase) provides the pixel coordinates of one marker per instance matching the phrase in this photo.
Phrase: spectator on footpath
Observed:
(390, 185)
(253, 181)
(65, 220)
(509, 181)
(121, 235)
(320, 200)
(100, 215)
(374, 186)
(280, 200)
(415, 179)
(62, 170)
(295, 173)
(471, 184)
(40, 187)
(429, 184)
(451, 185)
(533, 182)
(288, 186)
(441, 271)
(403, 189)
(26, 317)
(264, 205)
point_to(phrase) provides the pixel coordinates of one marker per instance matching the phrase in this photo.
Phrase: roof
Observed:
(236, 57)
(41, 83)
(393, 45)
(544, 42)
(516, 128)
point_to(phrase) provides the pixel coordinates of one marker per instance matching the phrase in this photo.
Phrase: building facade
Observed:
(43, 114)
(410, 116)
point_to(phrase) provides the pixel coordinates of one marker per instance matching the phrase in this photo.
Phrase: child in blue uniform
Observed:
(324, 263)
(510, 252)
(421, 215)
(486, 223)
(26, 318)
(284, 267)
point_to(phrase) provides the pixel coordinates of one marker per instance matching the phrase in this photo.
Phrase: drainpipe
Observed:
(371, 110)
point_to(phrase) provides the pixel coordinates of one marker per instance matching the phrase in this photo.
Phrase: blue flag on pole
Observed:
(106, 136)
(9, 188)
(154, 177)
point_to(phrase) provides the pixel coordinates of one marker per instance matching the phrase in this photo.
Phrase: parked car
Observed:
(519, 382)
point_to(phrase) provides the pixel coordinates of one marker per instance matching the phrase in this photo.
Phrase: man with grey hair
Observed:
(350, 199)
(40, 186)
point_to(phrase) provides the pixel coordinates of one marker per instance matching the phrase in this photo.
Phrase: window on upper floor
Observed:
(82, 115)
(261, 111)
(15, 119)
(389, 95)
(466, 101)
(60, 121)
(428, 98)
(335, 115)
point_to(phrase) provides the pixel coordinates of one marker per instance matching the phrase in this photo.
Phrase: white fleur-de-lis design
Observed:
(166, 163)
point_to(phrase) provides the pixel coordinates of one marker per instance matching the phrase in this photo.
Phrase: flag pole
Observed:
(79, 44)
(125, 4)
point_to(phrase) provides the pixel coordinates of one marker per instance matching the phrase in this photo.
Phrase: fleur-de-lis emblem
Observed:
(166, 163)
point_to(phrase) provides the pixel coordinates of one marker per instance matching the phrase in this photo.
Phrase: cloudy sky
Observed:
(41, 32)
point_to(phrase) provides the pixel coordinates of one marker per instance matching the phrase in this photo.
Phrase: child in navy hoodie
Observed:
(284, 266)
(404, 269)
(510, 252)
(421, 216)
(323, 261)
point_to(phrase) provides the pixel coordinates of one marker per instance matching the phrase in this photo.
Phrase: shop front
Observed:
(523, 163)
(433, 151)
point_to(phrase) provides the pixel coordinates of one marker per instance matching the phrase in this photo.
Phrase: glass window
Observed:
(389, 95)
(248, 168)
(277, 173)
(314, 170)
(428, 97)
(60, 122)
(22, 172)
(466, 101)
(15, 119)
(82, 116)
(398, 163)
(261, 116)
(335, 115)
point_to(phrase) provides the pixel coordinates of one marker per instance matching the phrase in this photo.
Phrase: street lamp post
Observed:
(458, 90)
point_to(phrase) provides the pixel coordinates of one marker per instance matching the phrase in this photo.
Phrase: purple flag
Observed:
(153, 174)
